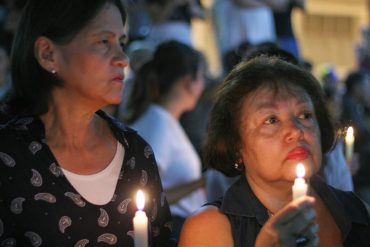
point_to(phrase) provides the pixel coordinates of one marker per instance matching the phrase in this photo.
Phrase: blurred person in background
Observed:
(164, 88)
(284, 26)
(354, 104)
(171, 20)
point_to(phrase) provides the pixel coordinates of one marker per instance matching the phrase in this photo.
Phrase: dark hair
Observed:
(171, 61)
(59, 21)
(272, 50)
(222, 145)
(353, 79)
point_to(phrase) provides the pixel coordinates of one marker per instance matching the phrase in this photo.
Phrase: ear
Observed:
(45, 53)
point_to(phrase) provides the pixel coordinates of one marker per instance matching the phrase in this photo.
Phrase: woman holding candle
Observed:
(69, 172)
(269, 116)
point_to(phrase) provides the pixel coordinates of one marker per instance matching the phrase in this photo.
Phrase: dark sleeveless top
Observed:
(247, 214)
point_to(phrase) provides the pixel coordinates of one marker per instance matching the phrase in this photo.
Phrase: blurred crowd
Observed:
(244, 29)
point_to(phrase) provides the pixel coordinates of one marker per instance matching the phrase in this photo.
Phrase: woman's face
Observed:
(91, 65)
(277, 132)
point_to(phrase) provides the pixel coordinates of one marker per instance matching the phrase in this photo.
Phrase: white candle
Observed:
(350, 140)
(300, 187)
(140, 222)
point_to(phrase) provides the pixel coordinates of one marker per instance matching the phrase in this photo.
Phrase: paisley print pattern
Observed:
(169, 225)
(36, 179)
(143, 178)
(9, 242)
(47, 197)
(120, 177)
(16, 207)
(103, 219)
(55, 170)
(34, 147)
(47, 210)
(7, 160)
(64, 223)
(76, 198)
(154, 211)
(107, 238)
(148, 151)
(131, 234)
(34, 238)
(122, 207)
(82, 243)
(21, 124)
(131, 163)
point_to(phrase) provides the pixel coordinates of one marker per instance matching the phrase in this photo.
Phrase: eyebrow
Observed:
(110, 33)
(269, 104)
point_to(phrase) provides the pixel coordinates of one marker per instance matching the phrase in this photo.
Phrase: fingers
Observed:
(297, 220)
(310, 234)
(301, 221)
(294, 209)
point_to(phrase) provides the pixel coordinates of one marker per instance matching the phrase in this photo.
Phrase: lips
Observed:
(298, 153)
(119, 78)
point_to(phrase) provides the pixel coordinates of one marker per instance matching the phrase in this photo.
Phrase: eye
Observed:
(271, 120)
(104, 41)
(306, 115)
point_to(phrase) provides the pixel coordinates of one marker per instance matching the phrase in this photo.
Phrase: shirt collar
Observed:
(35, 125)
(239, 200)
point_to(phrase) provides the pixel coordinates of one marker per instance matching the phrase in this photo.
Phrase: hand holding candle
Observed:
(140, 222)
(300, 187)
(349, 139)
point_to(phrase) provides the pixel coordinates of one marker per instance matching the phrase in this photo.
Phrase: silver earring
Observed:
(238, 166)
(53, 71)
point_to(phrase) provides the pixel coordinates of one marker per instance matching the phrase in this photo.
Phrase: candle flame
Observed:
(350, 131)
(140, 200)
(300, 171)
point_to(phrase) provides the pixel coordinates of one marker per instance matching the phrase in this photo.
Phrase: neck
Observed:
(273, 195)
(175, 107)
(71, 127)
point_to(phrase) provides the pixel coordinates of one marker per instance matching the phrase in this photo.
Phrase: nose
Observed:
(120, 59)
(294, 131)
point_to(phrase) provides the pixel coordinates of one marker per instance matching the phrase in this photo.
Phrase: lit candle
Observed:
(140, 222)
(349, 139)
(300, 187)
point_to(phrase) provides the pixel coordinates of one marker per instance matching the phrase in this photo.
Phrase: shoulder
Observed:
(354, 207)
(15, 126)
(207, 223)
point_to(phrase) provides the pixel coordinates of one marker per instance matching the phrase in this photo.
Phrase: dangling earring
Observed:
(53, 71)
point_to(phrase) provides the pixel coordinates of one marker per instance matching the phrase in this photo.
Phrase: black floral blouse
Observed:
(39, 207)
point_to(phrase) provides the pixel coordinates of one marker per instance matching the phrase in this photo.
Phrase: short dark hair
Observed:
(58, 20)
(223, 142)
